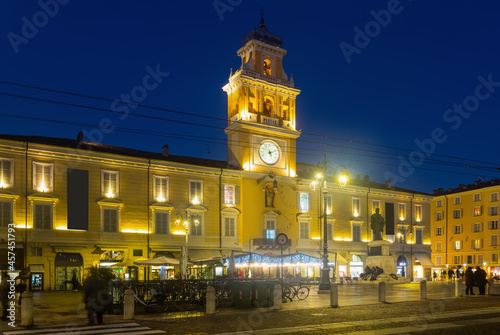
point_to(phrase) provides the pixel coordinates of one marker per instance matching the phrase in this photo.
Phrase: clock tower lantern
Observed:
(261, 107)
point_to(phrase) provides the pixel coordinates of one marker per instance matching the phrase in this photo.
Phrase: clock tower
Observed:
(261, 107)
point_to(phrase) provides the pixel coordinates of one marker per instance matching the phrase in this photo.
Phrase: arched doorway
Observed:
(402, 264)
(67, 265)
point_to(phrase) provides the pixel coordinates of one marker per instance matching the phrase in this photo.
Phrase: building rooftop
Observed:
(104, 148)
(478, 184)
(263, 35)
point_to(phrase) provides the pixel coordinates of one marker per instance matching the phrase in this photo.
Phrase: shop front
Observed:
(67, 266)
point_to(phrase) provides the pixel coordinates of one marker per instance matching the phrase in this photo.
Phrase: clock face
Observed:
(269, 152)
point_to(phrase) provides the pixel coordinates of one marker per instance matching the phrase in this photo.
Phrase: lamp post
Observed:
(402, 230)
(321, 181)
(185, 221)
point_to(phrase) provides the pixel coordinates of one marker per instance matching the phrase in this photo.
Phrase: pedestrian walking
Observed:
(21, 288)
(434, 276)
(4, 295)
(451, 274)
(97, 297)
(443, 275)
(480, 279)
(469, 281)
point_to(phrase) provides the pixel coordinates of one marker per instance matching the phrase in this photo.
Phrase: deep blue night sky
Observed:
(394, 92)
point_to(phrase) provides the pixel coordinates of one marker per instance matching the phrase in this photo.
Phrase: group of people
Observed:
(475, 278)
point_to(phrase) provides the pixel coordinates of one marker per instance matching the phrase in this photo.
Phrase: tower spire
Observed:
(262, 25)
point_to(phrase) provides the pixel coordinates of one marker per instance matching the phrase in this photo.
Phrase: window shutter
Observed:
(298, 200)
(237, 195)
(309, 201)
(222, 195)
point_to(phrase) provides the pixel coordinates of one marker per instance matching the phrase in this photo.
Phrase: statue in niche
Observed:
(268, 107)
(270, 193)
(267, 67)
(377, 225)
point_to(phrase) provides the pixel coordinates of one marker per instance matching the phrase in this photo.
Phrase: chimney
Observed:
(366, 177)
(165, 150)
(388, 184)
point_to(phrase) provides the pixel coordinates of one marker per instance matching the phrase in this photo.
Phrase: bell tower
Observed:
(261, 127)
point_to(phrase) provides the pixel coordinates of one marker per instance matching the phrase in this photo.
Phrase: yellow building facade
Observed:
(465, 226)
(76, 204)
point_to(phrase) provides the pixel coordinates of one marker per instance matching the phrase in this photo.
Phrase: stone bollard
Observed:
(278, 297)
(491, 288)
(458, 288)
(423, 289)
(27, 309)
(210, 300)
(334, 295)
(381, 291)
(128, 305)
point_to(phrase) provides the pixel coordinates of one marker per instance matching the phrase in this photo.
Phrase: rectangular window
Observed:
(457, 245)
(439, 246)
(43, 177)
(356, 233)
(196, 192)
(470, 259)
(162, 222)
(439, 216)
(480, 259)
(6, 173)
(329, 204)
(329, 231)
(160, 188)
(375, 205)
(36, 251)
(230, 227)
(229, 194)
(457, 260)
(418, 213)
(457, 200)
(270, 229)
(438, 260)
(110, 220)
(439, 231)
(402, 211)
(493, 224)
(137, 252)
(494, 258)
(477, 244)
(356, 207)
(477, 227)
(493, 210)
(494, 196)
(476, 211)
(303, 230)
(109, 184)
(196, 225)
(457, 229)
(439, 203)
(5, 213)
(477, 197)
(304, 201)
(494, 240)
(42, 216)
(457, 213)
(419, 236)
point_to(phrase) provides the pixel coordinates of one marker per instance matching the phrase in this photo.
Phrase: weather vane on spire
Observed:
(262, 17)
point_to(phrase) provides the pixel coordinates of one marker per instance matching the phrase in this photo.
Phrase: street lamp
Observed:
(402, 230)
(321, 181)
(185, 220)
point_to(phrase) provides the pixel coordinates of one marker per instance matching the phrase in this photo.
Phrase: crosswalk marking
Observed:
(128, 328)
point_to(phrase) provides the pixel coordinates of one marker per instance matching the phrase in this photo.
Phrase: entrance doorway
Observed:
(67, 265)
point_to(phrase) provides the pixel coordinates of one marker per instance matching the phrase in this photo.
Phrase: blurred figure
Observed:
(97, 298)
(480, 279)
(4, 295)
(469, 281)
(450, 274)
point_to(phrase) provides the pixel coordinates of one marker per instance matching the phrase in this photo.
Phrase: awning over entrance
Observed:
(36, 268)
(203, 255)
(424, 259)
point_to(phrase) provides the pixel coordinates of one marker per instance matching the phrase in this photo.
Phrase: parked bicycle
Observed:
(300, 292)
(152, 301)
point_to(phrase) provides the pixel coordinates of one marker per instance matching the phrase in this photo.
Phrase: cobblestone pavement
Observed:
(359, 311)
